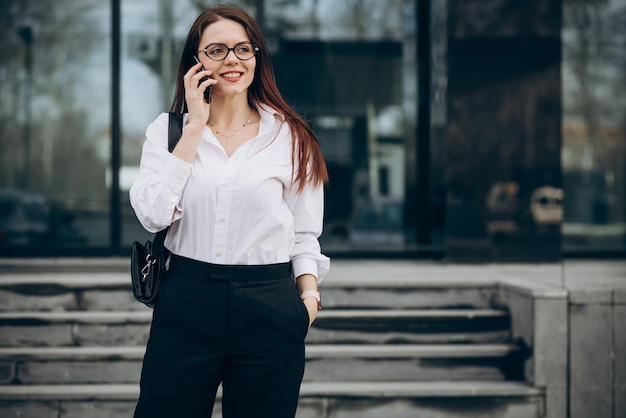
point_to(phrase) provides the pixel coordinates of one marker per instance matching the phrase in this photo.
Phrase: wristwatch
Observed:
(312, 294)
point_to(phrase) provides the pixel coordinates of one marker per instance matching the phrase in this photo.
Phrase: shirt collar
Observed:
(269, 127)
(269, 117)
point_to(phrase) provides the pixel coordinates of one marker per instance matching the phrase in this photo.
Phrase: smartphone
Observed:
(208, 92)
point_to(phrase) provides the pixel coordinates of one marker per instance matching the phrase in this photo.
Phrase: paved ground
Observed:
(586, 337)
(573, 275)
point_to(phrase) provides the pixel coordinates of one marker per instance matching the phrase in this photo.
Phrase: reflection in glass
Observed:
(349, 67)
(54, 102)
(341, 64)
(378, 224)
(594, 133)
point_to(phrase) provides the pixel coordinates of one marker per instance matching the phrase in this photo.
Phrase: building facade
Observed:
(468, 130)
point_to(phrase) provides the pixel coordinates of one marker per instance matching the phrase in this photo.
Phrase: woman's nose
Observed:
(231, 57)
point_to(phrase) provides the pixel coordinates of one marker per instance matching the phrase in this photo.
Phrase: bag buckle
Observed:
(145, 271)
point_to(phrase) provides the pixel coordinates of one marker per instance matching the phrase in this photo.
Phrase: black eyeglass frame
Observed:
(254, 48)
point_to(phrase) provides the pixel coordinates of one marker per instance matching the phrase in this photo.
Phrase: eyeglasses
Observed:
(218, 52)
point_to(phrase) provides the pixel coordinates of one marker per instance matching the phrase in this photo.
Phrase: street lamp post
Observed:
(25, 32)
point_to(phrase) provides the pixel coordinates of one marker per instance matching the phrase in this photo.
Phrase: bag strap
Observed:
(174, 132)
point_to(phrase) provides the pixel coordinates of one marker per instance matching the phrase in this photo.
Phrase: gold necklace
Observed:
(217, 132)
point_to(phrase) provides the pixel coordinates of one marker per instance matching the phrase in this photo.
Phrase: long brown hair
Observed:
(263, 90)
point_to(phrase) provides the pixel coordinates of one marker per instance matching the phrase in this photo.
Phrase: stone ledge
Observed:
(372, 351)
(438, 389)
(79, 392)
(598, 296)
(42, 354)
(533, 288)
(121, 280)
(144, 316)
(413, 313)
(81, 280)
(80, 317)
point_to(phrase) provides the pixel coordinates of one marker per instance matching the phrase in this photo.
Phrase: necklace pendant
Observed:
(217, 132)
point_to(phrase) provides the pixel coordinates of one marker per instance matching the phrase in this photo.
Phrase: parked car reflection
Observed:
(378, 223)
(24, 218)
(546, 205)
(30, 219)
(503, 206)
(508, 212)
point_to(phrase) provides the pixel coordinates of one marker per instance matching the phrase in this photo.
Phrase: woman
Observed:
(243, 193)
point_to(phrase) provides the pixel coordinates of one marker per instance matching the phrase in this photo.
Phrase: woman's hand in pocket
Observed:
(311, 307)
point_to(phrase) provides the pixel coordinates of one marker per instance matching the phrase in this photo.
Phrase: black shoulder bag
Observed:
(147, 262)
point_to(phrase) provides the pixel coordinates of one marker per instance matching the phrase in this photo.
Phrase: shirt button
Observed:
(218, 254)
(221, 220)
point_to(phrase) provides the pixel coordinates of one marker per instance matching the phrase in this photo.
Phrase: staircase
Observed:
(72, 339)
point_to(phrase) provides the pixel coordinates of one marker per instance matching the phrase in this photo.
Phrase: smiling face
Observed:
(233, 75)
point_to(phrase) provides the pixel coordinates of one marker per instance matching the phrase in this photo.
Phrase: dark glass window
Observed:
(54, 125)
(594, 132)
(349, 67)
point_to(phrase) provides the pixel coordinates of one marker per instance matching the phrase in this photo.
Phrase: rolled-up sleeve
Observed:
(156, 192)
(307, 208)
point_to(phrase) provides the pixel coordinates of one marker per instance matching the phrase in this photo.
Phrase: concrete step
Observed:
(69, 365)
(413, 362)
(89, 328)
(440, 399)
(105, 291)
(411, 326)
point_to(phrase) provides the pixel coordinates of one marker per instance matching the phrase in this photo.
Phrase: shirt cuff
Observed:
(317, 268)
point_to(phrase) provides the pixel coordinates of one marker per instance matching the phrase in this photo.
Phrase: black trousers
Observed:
(241, 326)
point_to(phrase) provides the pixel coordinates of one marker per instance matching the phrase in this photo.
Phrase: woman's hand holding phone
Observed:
(208, 91)
(198, 85)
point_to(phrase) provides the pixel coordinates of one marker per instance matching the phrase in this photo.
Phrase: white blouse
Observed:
(241, 209)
